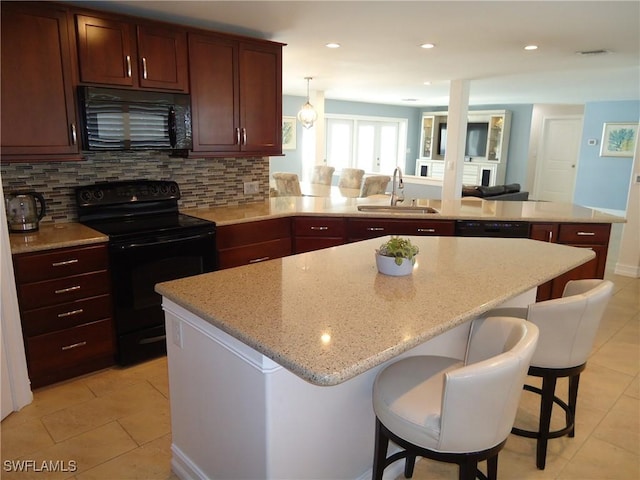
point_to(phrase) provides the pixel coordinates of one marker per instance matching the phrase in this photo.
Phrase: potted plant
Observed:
(396, 256)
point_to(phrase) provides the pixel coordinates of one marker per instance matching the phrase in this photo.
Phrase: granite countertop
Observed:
(307, 311)
(50, 236)
(466, 208)
(59, 235)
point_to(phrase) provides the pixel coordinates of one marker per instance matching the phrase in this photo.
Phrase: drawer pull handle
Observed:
(375, 229)
(67, 290)
(71, 313)
(128, 62)
(427, 230)
(65, 262)
(550, 236)
(319, 228)
(144, 68)
(74, 345)
(586, 234)
(257, 260)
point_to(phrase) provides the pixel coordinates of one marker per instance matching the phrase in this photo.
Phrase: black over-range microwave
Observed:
(116, 119)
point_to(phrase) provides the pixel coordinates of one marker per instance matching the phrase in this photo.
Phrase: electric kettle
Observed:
(22, 211)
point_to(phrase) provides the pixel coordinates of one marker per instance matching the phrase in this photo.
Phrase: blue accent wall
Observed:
(604, 181)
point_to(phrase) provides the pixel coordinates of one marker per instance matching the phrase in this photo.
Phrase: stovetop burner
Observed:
(138, 208)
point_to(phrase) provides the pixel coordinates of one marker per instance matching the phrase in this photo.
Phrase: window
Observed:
(374, 144)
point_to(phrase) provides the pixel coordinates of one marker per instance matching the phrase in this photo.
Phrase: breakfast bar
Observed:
(271, 365)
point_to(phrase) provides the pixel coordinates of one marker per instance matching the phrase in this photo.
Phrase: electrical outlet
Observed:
(176, 325)
(251, 187)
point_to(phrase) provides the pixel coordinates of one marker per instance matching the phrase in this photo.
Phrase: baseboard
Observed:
(632, 271)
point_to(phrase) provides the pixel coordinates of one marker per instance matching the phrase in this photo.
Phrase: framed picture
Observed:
(619, 139)
(288, 133)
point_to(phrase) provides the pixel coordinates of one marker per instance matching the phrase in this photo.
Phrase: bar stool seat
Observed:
(568, 326)
(452, 410)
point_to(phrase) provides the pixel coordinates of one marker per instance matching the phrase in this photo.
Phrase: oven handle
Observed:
(129, 246)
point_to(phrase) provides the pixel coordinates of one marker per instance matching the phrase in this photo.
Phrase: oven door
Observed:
(136, 267)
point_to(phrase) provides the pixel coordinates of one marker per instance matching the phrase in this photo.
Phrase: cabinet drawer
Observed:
(68, 289)
(319, 227)
(60, 263)
(584, 233)
(67, 348)
(369, 228)
(65, 315)
(259, 252)
(230, 236)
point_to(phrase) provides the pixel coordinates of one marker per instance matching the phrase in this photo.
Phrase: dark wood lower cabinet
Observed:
(66, 312)
(582, 235)
(253, 242)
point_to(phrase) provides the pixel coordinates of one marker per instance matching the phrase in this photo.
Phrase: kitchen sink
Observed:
(396, 209)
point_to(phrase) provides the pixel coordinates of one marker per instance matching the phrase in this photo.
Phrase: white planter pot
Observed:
(388, 266)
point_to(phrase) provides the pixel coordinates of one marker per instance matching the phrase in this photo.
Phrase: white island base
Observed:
(236, 414)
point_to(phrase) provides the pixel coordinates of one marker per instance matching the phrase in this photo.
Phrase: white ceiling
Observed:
(380, 60)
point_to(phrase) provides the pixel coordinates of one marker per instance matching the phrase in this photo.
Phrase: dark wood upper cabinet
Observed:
(236, 93)
(38, 107)
(119, 53)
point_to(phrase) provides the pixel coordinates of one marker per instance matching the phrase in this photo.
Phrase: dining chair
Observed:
(322, 174)
(351, 178)
(568, 327)
(287, 184)
(374, 185)
(452, 410)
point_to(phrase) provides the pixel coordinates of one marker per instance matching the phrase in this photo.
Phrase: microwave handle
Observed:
(172, 127)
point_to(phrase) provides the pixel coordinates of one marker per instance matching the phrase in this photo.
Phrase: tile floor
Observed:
(115, 424)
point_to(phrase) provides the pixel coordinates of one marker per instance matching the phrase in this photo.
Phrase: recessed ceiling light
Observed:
(409, 99)
(531, 47)
(426, 83)
(332, 45)
(427, 46)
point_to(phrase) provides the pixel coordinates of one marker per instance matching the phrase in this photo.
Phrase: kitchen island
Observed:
(271, 365)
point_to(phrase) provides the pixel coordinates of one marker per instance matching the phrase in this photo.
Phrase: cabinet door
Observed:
(38, 109)
(215, 102)
(162, 56)
(362, 229)
(261, 98)
(106, 51)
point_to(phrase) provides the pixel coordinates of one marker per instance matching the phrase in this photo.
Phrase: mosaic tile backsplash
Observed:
(203, 182)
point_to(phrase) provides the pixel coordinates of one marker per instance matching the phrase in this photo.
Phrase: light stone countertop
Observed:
(328, 316)
(51, 236)
(466, 208)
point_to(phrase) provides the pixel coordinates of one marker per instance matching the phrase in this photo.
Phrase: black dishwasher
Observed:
(491, 228)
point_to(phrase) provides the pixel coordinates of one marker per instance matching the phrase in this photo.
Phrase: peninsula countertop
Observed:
(467, 208)
(328, 316)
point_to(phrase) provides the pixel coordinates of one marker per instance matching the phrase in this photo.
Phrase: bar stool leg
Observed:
(573, 400)
(380, 453)
(546, 405)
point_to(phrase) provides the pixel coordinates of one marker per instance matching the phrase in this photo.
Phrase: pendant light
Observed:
(307, 114)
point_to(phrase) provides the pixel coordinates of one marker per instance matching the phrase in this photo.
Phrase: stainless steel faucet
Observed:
(397, 194)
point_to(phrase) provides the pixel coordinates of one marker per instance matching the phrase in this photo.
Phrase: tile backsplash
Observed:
(204, 182)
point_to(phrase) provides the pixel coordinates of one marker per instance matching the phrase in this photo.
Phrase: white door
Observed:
(558, 159)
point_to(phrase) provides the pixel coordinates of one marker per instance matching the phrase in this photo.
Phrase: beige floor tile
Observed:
(51, 399)
(148, 424)
(621, 352)
(600, 387)
(634, 388)
(621, 425)
(116, 378)
(84, 451)
(24, 438)
(149, 462)
(599, 460)
(101, 410)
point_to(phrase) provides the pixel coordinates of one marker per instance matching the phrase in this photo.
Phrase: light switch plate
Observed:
(251, 187)
(176, 326)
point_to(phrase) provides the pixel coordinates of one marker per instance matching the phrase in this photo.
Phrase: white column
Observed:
(318, 103)
(628, 263)
(456, 138)
(16, 388)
